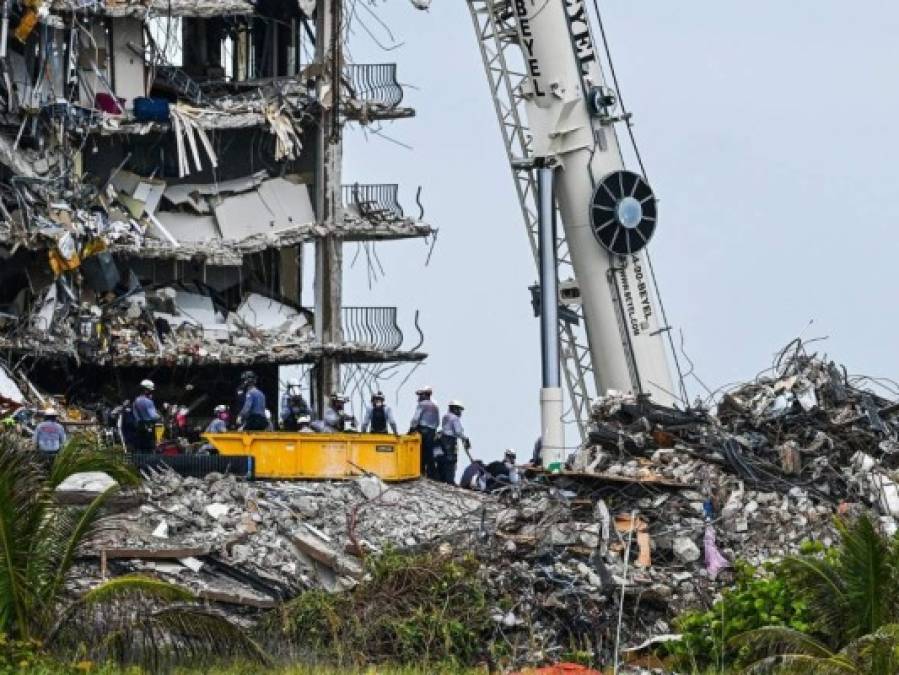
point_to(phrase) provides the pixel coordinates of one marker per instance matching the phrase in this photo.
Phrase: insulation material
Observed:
(140, 195)
(195, 195)
(189, 228)
(277, 205)
(43, 319)
(260, 312)
(196, 310)
(9, 390)
(190, 137)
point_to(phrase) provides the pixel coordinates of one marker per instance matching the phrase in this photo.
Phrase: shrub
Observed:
(759, 597)
(409, 609)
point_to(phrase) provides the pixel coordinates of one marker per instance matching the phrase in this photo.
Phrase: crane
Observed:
(557, 118)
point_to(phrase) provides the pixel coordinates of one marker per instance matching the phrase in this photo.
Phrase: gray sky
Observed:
(769, 131)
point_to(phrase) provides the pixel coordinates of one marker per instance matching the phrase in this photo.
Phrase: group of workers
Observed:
(440, 437)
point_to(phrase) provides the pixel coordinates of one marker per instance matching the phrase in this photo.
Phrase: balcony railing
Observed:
(376, 202)
(374, 327)
(374, 83)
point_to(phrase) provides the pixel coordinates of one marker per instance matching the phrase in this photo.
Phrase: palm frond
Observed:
(864, 567)
(84, 453)
(203, 631)
(823, 588)
(24, 502)
(152, 634)
(781, 640)
(877, 652)
(82, 529)
(136, 584)
(802, 664)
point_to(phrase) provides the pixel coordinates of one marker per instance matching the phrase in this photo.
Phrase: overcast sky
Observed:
(769, 131)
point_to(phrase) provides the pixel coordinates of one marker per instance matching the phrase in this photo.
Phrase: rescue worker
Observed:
(219, 423)
(503, 473)
(335, 419)
(537, 457)
(378, 417)
(49, 435)
(145, 417)
(126, 425)
(475, 476)
(509, 460)
(451, 432)
(304, 424)
(252, 416)
(293, 406)
(425, 422)
(241, 393)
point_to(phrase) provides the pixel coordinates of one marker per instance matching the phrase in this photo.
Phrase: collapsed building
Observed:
(648, 519)
(162, 165)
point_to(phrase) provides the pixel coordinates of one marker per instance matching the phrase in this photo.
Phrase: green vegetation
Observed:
(759, 597)
(823, 611)
(130, 619)
(409, 609)
(34, 664)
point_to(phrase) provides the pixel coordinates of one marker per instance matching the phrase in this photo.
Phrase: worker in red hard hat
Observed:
(425, 422)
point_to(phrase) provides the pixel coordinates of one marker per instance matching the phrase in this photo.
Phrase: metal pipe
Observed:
(4, 30)
(552, 430)
(549, 281)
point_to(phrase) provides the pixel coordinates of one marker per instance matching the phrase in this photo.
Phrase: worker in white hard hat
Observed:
(293, 405)
(451, 433)
(49, 435)
(219, 423)
(336, 419)
(510, 458)
(304, 424)
(379, 416)
(425, 422)
(145, 417)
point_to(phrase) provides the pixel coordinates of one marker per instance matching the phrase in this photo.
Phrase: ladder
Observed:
(499, 41)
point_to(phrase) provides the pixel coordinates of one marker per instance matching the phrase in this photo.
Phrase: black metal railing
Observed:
(376, 202)
(374, 327)
(374, 83)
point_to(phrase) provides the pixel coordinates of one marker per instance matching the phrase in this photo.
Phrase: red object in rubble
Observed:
(169, 448)
(109, 104)
(560, 669)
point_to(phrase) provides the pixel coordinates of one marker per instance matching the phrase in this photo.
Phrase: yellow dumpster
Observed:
(324, 456)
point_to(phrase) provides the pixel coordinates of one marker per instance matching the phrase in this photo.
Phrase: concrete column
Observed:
(328, 250)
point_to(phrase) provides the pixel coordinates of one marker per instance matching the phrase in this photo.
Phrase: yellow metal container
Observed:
(324, 456)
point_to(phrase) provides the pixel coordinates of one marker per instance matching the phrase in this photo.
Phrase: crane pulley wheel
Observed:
(623, 212)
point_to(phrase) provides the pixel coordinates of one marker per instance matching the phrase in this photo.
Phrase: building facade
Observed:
(162, 164)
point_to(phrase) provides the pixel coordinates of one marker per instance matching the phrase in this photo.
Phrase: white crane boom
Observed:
(608, 214)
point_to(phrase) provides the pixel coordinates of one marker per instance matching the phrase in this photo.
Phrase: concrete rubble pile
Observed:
(655, 509)
(661, 502)
(251, 544)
